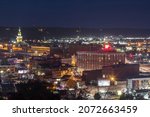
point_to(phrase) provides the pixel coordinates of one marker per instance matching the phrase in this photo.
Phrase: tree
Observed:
(97, 96)
(126, 97)
(34, 90)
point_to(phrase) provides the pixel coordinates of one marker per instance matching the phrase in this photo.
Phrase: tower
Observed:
(19, 36)
(73, 60)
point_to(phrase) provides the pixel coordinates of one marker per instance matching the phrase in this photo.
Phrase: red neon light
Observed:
(107, 46)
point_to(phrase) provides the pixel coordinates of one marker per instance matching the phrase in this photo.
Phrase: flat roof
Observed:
(140, 78)
(112, 52)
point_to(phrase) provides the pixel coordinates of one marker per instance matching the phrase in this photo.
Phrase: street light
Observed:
(112, 78)
(1, 71)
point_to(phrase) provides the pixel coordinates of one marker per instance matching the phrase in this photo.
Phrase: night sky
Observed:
(76, 13)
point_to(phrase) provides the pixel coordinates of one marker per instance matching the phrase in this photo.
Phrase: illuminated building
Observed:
(7, 68)
(19, 36)
(39, 50)
(137, 83)
(61, 72)
(71, 83)
(71, 61)
(67, 61)
(88, 60)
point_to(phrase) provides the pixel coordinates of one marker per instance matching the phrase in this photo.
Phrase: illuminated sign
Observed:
(23, 71)
(103, 83)
(107, 47)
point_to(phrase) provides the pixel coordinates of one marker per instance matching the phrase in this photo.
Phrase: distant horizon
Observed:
(74, 27)
(35, 32)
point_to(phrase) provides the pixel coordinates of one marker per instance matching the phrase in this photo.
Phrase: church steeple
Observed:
(19, 36)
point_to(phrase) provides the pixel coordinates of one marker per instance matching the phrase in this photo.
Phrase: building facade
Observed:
(138, 83)
(120, 72)
(88, 60)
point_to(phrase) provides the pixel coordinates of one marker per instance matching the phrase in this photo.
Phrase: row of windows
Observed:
(99, 60)
(101, 57)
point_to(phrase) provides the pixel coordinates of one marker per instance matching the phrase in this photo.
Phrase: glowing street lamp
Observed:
(119, 93)
(112, 78)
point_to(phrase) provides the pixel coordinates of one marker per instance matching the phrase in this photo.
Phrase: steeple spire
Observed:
(19, 36)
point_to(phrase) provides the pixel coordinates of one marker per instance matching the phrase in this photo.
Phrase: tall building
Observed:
(94, 60)
(19, 37)
(88, 60)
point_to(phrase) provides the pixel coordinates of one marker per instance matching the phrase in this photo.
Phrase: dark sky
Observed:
(76, 13)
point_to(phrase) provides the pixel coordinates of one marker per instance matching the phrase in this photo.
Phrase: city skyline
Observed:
(80, 68)
(76, 13)
(75, 50)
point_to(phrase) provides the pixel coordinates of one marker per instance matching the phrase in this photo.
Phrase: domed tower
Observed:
(19, 36)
